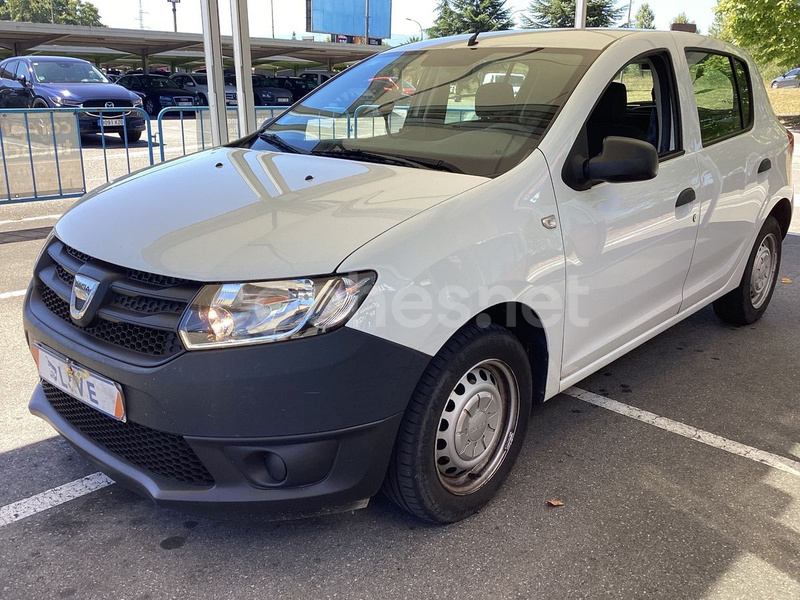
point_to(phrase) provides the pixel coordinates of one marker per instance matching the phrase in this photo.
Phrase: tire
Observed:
(202, 100)
(39, 103)
(774, 85)
(748, 302)
(433, 473)
(133, 136)
(150, 108)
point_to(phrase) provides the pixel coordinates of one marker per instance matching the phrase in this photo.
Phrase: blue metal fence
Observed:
(45, 155)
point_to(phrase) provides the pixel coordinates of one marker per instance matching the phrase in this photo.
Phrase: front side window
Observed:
(22, 71)
(67, 72)
(723, 97)
(478, 111)
(640, 103)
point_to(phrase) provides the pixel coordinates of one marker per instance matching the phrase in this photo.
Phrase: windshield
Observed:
(200, 79)
(67, 72)
(450, 112)
(156, 82)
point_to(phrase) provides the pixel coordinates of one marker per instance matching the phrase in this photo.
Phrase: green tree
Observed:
(561, 13)
(64, 12)
(645, 18)
(467, 16)
(683, 19)
(767, 28)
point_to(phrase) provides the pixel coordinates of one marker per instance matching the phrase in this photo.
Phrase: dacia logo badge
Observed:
(83, 291)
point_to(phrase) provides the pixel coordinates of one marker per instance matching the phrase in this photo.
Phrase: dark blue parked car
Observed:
(59, 82)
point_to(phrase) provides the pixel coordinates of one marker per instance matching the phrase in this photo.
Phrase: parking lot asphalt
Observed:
(647, 512)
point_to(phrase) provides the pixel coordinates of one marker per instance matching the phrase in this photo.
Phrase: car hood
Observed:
(87, 91)
(233, 214)
(170, 91)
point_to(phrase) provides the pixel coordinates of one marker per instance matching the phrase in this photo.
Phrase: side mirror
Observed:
(623, 160)
(23, 80)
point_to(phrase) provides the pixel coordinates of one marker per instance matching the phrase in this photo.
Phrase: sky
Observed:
(290, 15)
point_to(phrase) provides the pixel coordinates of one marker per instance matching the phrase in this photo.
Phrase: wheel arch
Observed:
(524, 323)
(782, 212)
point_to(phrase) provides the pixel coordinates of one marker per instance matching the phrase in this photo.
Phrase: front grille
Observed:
(164, 454)
(137, 319)
(108, 112)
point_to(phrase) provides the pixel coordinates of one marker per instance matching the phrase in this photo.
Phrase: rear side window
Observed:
(723, 94)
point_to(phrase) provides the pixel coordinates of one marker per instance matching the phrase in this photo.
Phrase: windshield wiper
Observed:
(278, 142)
(389, 159)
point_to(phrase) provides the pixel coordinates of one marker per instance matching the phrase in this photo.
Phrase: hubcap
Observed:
(476, 427)
(764, 266)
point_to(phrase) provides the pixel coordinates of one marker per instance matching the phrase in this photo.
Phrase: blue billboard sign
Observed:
(347, 17)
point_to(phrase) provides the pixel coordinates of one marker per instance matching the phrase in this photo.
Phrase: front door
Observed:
(628, 245)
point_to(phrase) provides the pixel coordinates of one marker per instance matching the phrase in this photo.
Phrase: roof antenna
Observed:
(473, 40)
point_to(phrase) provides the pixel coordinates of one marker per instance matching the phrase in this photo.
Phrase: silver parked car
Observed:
(787, 80)
(198, 83)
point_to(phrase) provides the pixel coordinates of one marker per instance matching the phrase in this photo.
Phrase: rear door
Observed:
(734, 164)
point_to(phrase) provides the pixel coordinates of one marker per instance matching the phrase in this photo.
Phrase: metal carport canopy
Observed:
(21, 37)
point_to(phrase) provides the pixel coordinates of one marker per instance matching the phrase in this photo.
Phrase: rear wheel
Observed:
(463, 428)
(748, 302)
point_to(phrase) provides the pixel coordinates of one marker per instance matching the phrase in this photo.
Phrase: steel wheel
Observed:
(764, 268)
(477, 427)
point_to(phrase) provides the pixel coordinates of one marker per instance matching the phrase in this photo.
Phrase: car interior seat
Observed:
(610, 118)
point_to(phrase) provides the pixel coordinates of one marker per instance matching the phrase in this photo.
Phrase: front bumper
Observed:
(297, 426)
(91, 124)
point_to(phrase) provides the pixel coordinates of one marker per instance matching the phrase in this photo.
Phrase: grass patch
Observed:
(785, 102)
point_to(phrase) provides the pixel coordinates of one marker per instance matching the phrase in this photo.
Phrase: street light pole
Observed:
(421, 31)
(366, 29)
(272, 17)
(174, 14)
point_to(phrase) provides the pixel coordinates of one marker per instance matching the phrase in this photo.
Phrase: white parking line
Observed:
(698, 435)
(14, 294)
(51, 498)
(29, 219)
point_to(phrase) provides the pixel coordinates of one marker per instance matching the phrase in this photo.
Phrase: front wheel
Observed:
(132, 136)
(464, 426)
(748, 302)
(774, 85)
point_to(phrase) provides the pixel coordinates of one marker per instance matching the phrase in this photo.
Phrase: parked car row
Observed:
(62, 82)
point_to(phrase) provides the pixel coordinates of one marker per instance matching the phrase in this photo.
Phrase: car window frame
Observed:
(21, 64)
(731, 57)
(5, 69)
(680, 149)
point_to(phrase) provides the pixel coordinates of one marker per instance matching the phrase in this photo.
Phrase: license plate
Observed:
(185, 103)
(79, 382)
(283, 100)
(110, 122)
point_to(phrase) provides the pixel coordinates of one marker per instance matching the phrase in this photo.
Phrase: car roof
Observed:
(579, 39)
(37, 58)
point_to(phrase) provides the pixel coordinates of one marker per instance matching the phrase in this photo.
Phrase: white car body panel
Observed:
(486, 247)
(255, 217)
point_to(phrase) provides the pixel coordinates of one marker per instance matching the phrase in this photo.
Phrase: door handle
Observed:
(765, 166)
(687, 196)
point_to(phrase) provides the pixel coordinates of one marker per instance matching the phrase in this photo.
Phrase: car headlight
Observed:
(137, 102)
(66, 102)
(236, 314)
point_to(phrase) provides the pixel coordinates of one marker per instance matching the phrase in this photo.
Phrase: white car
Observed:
(198, 83)
(306, 315)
